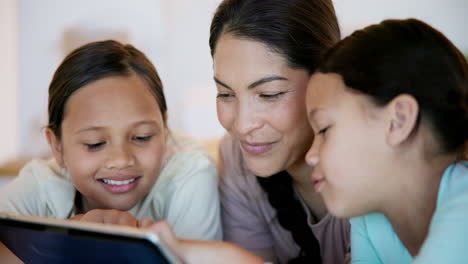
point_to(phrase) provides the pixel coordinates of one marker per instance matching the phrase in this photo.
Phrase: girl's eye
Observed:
(271, 96)
(95, 146)
(142, 138)
(323, 131)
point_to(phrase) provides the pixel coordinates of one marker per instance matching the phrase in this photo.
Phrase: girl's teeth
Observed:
(112, 182)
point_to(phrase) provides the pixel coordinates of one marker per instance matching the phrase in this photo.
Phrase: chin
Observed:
(338, 210)
(262, 171)
(345, 211)
(123, 206)
(262, 167)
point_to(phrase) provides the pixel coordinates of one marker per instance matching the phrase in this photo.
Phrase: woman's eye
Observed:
(94, 146)
(142, 138)
(271, 96)
(224, 95)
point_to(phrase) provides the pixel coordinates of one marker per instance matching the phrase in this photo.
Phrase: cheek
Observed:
(78, 161)
(335, 157)
(226, 114)
(345, 160)
(290, 116)
(151, 157)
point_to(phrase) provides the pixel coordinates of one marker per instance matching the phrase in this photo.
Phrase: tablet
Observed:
(44, 240)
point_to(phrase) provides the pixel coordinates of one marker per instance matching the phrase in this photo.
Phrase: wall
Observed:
(36, 34)
(9, 80)
(448, 16)
(173, 34)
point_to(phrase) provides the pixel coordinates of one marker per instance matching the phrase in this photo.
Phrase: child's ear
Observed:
(55, 147)
(403, 113)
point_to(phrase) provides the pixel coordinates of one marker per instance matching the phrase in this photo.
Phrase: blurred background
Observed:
(35, 35)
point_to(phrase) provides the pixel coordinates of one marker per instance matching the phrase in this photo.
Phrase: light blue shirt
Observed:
(374, 241)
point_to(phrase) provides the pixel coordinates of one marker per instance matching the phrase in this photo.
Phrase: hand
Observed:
(110, 216)
(145, 223)
(165, 233)
(207, 252)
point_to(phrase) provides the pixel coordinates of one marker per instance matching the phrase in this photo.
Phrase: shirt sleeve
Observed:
(243, 225)
(22, 195)
(362, 250)
(193, 210)
(447, 240)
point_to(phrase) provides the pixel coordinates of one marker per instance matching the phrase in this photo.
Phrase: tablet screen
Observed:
(38, 243)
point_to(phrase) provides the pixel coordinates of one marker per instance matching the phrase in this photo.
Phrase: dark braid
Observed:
(291, 216)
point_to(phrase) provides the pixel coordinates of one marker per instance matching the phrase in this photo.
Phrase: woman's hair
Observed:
(408, 57)
(95, 61)
(291, 216)
(300, 31)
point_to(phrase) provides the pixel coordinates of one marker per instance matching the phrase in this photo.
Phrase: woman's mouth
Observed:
(257, 148)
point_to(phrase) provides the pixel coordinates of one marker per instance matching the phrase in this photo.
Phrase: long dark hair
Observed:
(300, 31)
(410, 57)
(95, 61)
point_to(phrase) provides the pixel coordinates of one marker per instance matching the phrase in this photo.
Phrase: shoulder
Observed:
(236, 178)
(448, 233)
(234, 168)
(452, 199)
(42, 188)
(372, 235)
(336, 224)
(371, 224)
(185, 159)
(374, 228)
(43, 170)
(454, 184)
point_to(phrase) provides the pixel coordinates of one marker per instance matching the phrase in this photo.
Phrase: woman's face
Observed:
(261, 103)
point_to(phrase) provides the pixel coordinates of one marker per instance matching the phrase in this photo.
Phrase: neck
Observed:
(410, 209)
(300, 174)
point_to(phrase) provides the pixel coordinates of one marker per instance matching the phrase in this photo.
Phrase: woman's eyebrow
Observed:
(256, 83)
(221, 83)
(266, 80)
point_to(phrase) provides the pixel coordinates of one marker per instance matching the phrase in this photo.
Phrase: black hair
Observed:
(408, 57)
(95, 61)
(300, 31)
(291, 215)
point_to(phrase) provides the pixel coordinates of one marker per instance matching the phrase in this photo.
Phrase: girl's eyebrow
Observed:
(138, 123)
(314, 114)
(256, 83)
(91, 128)
(146, 122)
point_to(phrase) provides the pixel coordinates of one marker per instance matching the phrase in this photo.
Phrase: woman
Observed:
(263, 55)
(391, 101)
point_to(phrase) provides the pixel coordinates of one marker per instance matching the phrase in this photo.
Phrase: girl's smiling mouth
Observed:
(119, 186)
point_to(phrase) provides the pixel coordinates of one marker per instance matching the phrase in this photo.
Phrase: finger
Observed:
(125, 218)
(145, 223)
(164, 231)
(76, 217)
(96, 215)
